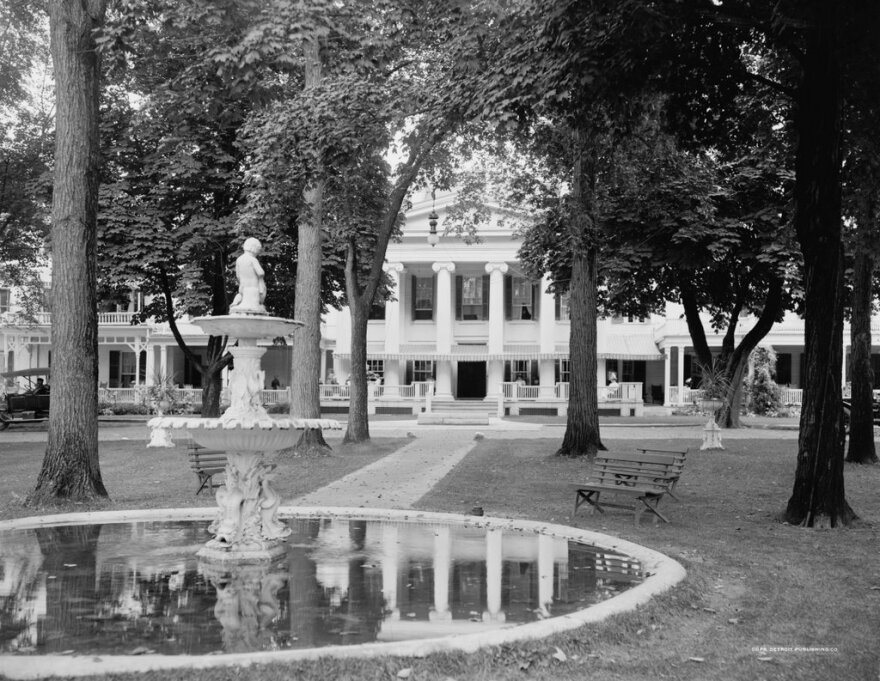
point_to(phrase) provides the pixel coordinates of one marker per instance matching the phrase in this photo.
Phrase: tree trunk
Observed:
(212, 389)
(861, 418)
(818, 497)
(305, 392)
(582, 426)
(70, 556)
(70, 467)
(358, 424)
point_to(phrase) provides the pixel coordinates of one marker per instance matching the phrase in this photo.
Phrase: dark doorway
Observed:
(471, 380)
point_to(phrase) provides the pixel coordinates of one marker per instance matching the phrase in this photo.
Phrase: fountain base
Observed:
(221, 555)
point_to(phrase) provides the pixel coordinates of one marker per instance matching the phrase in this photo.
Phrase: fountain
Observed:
(247, 528)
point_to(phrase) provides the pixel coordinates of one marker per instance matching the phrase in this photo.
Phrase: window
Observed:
(521, 370)
(376, 370)
(563, 371)
(522, 304)
(423, 370)
(4, 300)
(472, 298)
(123, 369)
(423, 298)
(563, 309)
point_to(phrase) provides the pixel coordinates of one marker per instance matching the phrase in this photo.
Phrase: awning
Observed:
(631, 346)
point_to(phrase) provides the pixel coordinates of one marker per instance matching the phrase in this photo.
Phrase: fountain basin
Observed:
(252, 326)
(340, 553)
(247, 434)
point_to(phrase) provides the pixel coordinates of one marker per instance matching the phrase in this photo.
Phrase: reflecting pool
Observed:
(133, 588)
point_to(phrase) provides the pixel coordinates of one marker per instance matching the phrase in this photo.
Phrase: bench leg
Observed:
(652, 507)
(590, 497)
(205, 481)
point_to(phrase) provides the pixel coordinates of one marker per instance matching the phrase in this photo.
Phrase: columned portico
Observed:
(445, 320)
(393, 374)
(495, 345)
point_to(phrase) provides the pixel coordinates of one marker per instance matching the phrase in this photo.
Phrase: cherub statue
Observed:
(251, 287)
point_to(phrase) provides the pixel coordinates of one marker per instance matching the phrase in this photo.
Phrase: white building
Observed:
(465, 321)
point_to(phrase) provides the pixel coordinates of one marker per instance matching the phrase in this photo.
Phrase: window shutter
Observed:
(507, 371)
(485, 296)
(536, 301)
(557, 299)
(534, 377)
(412, 295)
(409, 372)
(508, 296)
(458, 281)
(433, 296)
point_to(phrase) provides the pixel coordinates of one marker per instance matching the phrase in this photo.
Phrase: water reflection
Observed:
(138, 587)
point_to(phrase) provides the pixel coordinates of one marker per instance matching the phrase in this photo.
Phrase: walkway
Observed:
(398, 480)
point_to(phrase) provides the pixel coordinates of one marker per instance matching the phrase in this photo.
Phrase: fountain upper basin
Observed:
(242, 435)
(247, 326)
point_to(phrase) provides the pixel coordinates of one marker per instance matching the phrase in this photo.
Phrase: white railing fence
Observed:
(682, 395)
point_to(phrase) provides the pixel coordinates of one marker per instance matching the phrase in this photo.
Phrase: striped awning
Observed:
(618, 346)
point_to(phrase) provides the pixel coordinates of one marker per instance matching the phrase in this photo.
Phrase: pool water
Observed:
(138, 587)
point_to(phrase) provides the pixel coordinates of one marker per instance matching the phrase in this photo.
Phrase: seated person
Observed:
(41, 388)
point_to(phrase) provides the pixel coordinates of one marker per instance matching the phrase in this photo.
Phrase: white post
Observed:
(494, 565)
(428, 393)
(547, 330)
(667, 374)
(444, 326)
(392, 330)
(495, 345)
(680, 367)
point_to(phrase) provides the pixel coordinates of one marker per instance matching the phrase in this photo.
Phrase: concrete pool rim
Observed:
(663, 573)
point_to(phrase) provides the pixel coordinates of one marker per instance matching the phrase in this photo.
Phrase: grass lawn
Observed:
(752, 581)
(140, 477)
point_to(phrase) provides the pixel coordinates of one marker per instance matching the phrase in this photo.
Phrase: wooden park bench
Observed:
(206, 463)
(643, 477)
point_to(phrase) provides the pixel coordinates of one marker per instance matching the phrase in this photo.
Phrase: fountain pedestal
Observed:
(247, 528)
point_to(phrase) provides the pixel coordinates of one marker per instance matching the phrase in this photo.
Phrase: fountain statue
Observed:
(246, 529)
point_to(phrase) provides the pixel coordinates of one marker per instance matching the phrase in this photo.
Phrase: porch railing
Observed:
(682, 395)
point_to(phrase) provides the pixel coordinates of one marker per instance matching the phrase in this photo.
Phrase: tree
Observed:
(821, 53)
(70, 467)
(710, 232)
(175, 173)
(581, 69)
(26, 129)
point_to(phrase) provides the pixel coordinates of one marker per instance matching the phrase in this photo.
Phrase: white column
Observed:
(680, 367)
(163, 361)
(667, 374)
(843, 367)
(545, 573)
(343, 344)
(547, 330)
(390, 566)
(496, 272)
(445, 320)
(442, 564)
(151, 365)
(494, 563)
(392, 330)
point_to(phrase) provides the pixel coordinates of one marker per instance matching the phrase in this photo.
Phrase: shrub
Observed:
(764, 396)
